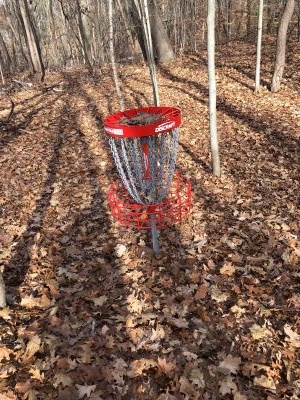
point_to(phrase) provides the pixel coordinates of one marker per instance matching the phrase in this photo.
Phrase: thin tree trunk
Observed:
(1, 72)
(2, 291)
(112, 55)
(136, 50)
(83, 38)
(31, 40)
(281, 45)
(258, 50)
(214, 142)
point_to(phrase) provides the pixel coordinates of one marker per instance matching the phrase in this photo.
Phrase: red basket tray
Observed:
(168, 212)
(170, 119)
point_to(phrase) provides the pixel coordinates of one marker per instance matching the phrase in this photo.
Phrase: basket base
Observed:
(170, 211)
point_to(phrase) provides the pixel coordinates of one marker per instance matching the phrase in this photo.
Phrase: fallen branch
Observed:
(22, 83)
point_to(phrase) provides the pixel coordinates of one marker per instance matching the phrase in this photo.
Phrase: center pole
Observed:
(154, 231)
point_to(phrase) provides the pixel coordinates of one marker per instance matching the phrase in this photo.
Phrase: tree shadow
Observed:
(271, 131)
(12, 130)
(17, 267)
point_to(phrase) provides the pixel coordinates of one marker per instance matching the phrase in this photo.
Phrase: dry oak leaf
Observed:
(84, 390)
(259, 332)
(30, 302)
(99, 301)
(179, 322)
(197, 378)
(31, 394)
(36, 374)
(264, 381)
(201, 292)
(4, 353)
(230, 365)
(4, 313)
(227, 269)
(33, 346)
(166, 366)
(137, 367)
(188, 389)
(8, 396)
(134, 304)
(63, 379)
(227, 386)
(6, 371)
(293, 337)
(218, 295)
(239, 396)
(22, 386)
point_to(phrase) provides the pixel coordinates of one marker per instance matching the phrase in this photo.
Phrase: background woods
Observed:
(61, 33)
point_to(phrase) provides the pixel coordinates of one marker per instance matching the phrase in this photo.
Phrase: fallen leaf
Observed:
(259, 332)
(85, 390)
(120, 250)
(166, 366)
(138, 366)
(293, 337)
(4, 313)
(4, 353)
(265, 381)
(227, 386)
(230, 365)
(227, 269)
(201, 292)
(62, 379)
(239, 396)
(36, 374)
(33, 346)
(188, 389)
(99, 301)
(218, 295)
(197, 378)
(31, 394)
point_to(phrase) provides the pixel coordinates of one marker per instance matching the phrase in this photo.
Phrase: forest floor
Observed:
(216, 314)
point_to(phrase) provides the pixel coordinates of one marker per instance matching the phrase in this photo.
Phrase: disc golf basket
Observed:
(150, 194)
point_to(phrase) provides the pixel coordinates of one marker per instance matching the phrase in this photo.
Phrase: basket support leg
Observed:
(154, 233)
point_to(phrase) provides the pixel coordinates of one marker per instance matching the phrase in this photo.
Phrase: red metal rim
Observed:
(170, 119)
(170, 211)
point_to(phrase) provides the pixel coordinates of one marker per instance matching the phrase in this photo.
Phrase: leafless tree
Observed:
(212, 88)
(258, 49)
(35, 57)
(281, 45)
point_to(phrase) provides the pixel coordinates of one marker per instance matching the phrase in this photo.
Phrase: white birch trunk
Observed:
(214, 142)
(112, 56)
(258, 49)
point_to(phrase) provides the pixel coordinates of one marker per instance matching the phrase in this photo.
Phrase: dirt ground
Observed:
(92, 312)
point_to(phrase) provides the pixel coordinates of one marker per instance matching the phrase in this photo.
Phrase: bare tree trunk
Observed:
(144, 16)
(162, 47)
(136, 50)
(83, 38)
(214, 142)
(112, 55)
(258, 50)
(249, 11)
(6, 57)
(2, 290)
(31, 40)
(161, 43)
(1, 72)
(281, 45)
